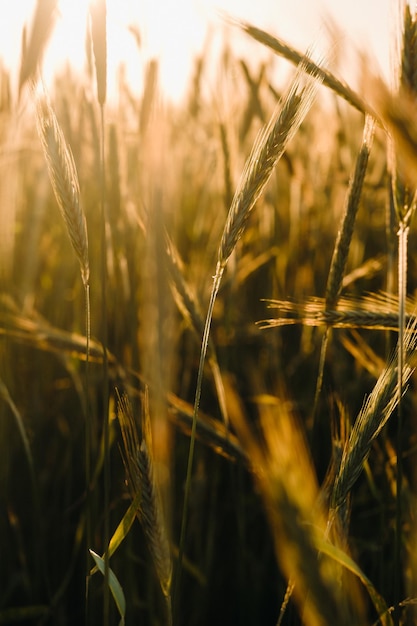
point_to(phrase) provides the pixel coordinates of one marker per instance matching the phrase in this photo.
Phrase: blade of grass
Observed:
(114, 586)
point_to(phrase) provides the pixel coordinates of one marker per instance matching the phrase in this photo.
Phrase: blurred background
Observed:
(176, 32)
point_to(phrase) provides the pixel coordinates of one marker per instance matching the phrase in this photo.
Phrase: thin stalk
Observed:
(402, 293)
(40, 548)
(105, 397)
(98, 14)
(88, 438)
(214, 291)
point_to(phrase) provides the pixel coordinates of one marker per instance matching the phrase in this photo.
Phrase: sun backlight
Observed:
(174, 32)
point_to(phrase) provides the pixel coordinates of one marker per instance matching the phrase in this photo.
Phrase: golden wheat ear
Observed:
(64, 180)
(138, 460)
(267, 150)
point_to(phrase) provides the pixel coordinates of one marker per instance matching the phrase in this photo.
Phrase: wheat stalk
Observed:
(98, 32)
(266, 152)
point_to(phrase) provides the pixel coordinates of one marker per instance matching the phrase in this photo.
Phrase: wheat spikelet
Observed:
(137, 456)
(408, 76)
(99, 40)
(64, 179)
(267, 150)
(373, 416)
(376, 311)
(341, 250)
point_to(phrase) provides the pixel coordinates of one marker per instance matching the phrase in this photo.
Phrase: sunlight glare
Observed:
(175, 32)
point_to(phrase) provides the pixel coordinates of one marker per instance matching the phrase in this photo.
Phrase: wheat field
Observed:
(207, 340)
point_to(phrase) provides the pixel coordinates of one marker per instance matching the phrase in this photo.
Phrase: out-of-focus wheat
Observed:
(138, 460)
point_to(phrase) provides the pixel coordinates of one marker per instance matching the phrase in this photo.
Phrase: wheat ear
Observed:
(138, 460)
(188, 305)
(280, 47)
(98, 32)
(373, 416)
(269, 147)
(64, 180)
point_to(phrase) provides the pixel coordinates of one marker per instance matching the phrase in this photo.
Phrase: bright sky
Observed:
(175, 30)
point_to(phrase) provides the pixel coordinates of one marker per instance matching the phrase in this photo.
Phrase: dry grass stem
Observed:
(64, 179)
